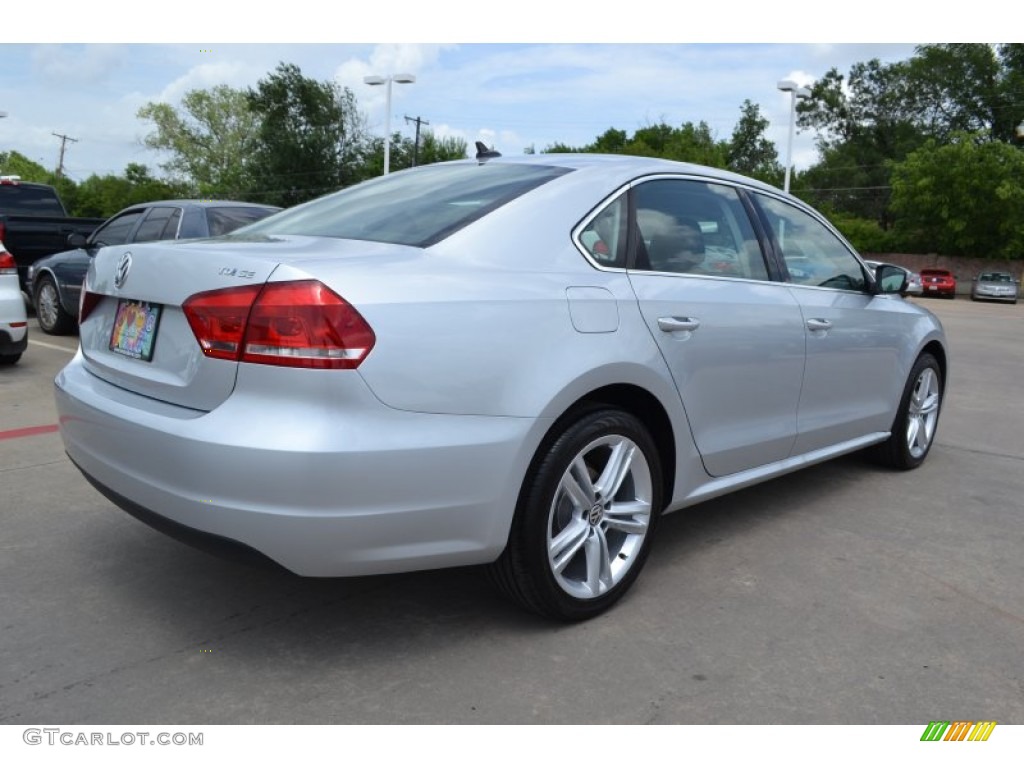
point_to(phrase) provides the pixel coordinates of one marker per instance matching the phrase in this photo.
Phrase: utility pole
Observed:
(416, 147)
(60, 163)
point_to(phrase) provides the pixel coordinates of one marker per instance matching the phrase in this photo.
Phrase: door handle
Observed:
(670, 324)
(819, 324)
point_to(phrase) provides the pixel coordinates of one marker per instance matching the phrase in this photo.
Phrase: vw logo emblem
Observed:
(596, 514)
(121, 271)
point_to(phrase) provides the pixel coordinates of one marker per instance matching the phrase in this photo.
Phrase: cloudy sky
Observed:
(510, 95)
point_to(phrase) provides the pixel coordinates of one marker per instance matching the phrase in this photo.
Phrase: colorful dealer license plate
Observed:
(135, 329)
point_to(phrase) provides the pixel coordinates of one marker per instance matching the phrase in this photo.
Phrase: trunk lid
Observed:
(136, 335)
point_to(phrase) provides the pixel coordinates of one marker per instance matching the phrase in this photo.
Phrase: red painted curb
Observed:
(28, 431)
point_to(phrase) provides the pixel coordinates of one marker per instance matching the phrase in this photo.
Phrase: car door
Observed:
(733, 339)
(854, 373)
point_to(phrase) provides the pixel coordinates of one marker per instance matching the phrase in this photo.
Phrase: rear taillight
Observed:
(7, 264)
(302, 324)
(218, 319)
(86, 304)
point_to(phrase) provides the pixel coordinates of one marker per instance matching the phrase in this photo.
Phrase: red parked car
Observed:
(938, 282)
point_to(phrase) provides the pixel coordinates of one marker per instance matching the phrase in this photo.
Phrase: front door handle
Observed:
(670, 324)
(819, 324)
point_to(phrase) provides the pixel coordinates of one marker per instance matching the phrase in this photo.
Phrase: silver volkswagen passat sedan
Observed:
(521, 362)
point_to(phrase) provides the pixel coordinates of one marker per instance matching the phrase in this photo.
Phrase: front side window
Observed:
(694, 227)
(117, 230)
(813, 254)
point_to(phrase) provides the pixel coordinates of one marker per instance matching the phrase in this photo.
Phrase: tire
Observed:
(585, 518)
(10, 359)
(53, 318)
(913, 430)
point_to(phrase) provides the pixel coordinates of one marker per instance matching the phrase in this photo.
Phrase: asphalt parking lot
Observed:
(842, 594)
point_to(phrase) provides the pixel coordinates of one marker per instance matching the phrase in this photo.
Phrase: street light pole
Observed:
(388, 80)
(795, 92)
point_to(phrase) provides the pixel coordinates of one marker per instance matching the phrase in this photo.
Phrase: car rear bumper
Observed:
(13, 339)
(989, 297)
(318, 490)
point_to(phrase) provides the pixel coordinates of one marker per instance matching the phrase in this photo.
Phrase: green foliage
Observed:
(962, 198)
(309, 136)
(16, 164)
(864, 234)
(211, 140)
(692, 143)
(749, 151)
(432, 149)
(104, 196)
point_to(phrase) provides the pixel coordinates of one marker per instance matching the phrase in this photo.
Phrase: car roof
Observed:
(204, 203)
(627, 165)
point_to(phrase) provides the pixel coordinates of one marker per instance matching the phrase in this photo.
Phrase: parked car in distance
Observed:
(55, 281)
(995, 286)
(938, 282)
(913, 279)
(520, 362)
(13, 320)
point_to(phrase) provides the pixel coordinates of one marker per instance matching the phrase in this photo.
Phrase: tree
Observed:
(104, 196)
(749, 151)
(14, 163)
(864, 123)
(693, 143)
(402, 151)
(311, 136)
(212, 140)
(962, 198)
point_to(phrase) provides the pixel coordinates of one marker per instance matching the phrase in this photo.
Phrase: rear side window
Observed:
(29, 200)
(155, 226)
(418, 207)
(224, 220)
(697, 228)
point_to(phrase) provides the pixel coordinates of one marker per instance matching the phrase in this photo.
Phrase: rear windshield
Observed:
(26, 200)
(225, 220)
(418, 207)
(996, 277)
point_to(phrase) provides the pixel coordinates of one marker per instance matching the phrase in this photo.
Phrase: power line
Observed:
(416, 146)
(64, 139)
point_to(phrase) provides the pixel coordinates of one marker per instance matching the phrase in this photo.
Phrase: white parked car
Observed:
(521, 362)
(13, 318)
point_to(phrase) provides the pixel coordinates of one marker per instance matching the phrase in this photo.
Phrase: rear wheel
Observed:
(913, 430)
(585, 518)
(53, 319)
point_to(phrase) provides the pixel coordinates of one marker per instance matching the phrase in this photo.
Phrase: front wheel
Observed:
(585, 518)
(913, 430)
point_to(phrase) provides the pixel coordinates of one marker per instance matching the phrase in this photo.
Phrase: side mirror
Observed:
(77, 240)
(890, 279)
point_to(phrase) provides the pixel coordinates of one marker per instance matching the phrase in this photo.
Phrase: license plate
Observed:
(135, 329)
(933, 287)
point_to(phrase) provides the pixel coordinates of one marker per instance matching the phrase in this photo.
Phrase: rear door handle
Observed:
(670, 324)
(819, 324)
